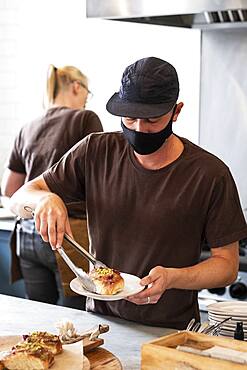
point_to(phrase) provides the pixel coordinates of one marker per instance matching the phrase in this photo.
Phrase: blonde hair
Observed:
(58, 79)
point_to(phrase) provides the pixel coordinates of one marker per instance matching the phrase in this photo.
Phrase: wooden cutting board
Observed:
(71, 357)
(100, 358)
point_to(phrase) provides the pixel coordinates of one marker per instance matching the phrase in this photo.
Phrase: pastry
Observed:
(47, 340)
(28, 356)
(107, 281)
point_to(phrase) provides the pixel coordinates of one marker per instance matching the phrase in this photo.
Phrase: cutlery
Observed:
(196, 327)
(215, 327)
(205, 328)
(190, 324)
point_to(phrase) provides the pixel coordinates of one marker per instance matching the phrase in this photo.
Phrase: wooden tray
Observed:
(161, 353)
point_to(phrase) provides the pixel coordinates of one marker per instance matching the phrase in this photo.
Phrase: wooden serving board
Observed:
(100, 358)
(71, 358)
(94, 358)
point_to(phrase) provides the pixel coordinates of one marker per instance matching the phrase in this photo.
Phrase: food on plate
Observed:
(107, 281)
(47, 340)
(28, 356)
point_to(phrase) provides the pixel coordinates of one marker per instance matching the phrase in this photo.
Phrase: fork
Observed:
(190, 324)
(196, 327)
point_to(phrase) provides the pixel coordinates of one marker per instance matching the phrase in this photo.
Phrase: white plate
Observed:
(229, 308)
(228, 328)
(131, 286)
(230, 323)
(220, 317)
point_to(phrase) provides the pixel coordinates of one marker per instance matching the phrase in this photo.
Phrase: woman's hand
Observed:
(157, 281)
(51, 220)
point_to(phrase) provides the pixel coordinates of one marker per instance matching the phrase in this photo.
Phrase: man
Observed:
(152, 199)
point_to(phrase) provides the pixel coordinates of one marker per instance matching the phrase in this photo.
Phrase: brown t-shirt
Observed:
(140, 218)
(44, 141)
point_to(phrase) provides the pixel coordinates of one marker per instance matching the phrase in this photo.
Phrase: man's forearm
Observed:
(211, 273)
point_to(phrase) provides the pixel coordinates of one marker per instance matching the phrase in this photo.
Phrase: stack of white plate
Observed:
(222, 310)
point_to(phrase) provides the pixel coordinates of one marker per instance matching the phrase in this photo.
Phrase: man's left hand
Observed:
(156, 282)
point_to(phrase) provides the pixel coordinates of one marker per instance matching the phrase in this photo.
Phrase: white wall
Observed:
(40, 32)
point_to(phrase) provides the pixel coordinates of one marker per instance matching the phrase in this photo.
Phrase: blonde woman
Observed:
(38, 146)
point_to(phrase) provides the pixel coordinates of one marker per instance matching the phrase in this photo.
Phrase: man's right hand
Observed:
(51, 220)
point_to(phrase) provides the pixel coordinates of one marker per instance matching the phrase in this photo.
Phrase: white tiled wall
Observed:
(34, 33)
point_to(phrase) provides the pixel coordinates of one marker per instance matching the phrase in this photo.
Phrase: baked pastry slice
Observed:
(47, 340)
(28, 356)
(107, 281)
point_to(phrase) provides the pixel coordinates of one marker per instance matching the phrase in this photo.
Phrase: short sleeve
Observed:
(15, 161)
(66, 178)
(90, 123)
(225, 222)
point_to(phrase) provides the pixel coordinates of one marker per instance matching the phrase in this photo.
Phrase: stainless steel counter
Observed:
(124, 339)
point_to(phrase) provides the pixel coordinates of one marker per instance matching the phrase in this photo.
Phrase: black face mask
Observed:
(146, 143)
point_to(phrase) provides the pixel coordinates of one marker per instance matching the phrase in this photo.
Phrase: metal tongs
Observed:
(84, 278)
(84, 252)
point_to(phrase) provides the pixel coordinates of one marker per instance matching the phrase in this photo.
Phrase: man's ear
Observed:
(178, 110)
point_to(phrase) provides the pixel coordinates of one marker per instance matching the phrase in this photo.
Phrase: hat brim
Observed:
(125, 108)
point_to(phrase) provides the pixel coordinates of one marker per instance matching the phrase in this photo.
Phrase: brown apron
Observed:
(79, 230)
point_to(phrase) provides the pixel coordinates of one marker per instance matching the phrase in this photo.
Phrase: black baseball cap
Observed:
(149, 88)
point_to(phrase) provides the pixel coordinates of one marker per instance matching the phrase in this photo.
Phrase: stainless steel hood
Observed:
(204, 14)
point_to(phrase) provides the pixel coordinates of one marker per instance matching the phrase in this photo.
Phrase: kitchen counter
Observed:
(124, 339)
